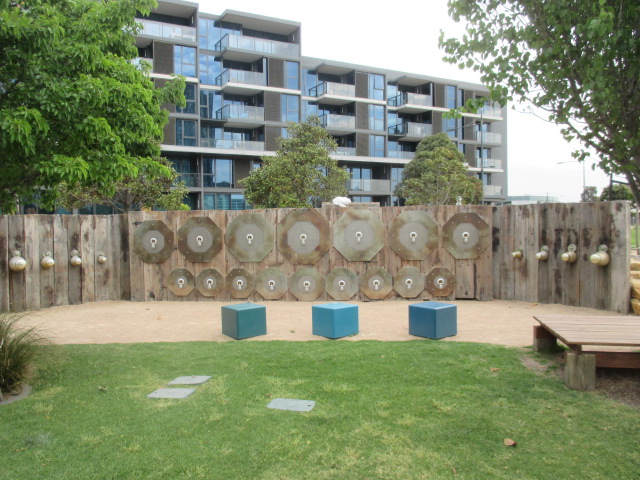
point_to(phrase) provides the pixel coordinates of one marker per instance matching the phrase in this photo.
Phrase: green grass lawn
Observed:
(384, 410)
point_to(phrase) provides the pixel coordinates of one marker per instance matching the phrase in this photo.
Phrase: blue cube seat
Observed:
(244, 320)
(334, 320)
(433, 320)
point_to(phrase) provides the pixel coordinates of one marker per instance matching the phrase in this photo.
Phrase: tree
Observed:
(437, 175)
(301, 174)
(73, 108)
(589, 194)
(616, 192)
(578, 60)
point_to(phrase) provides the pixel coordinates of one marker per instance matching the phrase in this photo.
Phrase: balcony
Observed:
(333, 93)
(152, 28)
(338, 124)
(487, 164)
(401, 155)
(241, 81)
(345, 152)
(368, 185)
(489, 137)
(250, 49)
(411, 102)
(189, 179)
(240, 145)
(412, 132)
(492, 190)
(241, 116)
(490, 112)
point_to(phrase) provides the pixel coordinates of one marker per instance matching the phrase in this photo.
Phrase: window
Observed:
(376, 146)
(210, 68)
(218, 172)
(210, 103)
(190, 96)
(376, 117)
(309, 108)
(292, 73)
(224, 201)
(184, 61)
(310, 79)
(186, 133)
(396, 176)
(451, 125)
(376, 86)
(208, 33)
(290, 108)
(188, 170)
(392, 90)
(208, 135)
(360, 178)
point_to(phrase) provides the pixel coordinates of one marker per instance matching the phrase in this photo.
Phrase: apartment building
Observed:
(246, 79)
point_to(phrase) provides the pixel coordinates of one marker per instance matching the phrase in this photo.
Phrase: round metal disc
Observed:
(466, 236)
(441, 282)
(412, 234)
(240, 283)
(376, 283)
(408, 282)
(303, 237)
(342, 283)
(199, 239)
(250, 237)
(181, 282)
(153, 241)
(210, 282)
(271, 283)
(358, 235)
(306, 284)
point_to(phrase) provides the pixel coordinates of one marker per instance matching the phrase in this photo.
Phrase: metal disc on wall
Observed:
(466, 236)
(342, 283)
(153, 241)
(250, 237)
(210, 282)
(199, 239)
(412, 234)
(441, 282)
(303, 237)
(306, 284)
(240, 283)
(271, 283)
(358, 235)
(376, 283)
(181, 282)
(408, 282)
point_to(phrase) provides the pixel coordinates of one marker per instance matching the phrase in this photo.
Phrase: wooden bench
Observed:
(577, 332)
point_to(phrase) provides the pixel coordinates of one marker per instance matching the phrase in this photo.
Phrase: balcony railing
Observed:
(241, 112)
(240, 76)
(490, 112)
(138, 60)
(346, 122)
(209, 180)
(489, 163)
(374, 186)
(189, 179)
(167, 30)
(411, 99)
(400, 154)
(331, 88)
(488, 137)
(346, 151)
(232, 144)
(408, 129)
(492, 190)
(259, 45)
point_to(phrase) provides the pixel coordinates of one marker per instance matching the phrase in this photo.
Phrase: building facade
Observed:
(246, 79)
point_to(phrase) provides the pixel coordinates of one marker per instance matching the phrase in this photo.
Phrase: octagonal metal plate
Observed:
(408, 282)
(181, 282)
(358, 235)
(376, 283)
(250, 237)
(153, 241)
(413, 234)
(342, 283)
(240, 283)
(271, 283)
(441, 282)
(303, 237)
(210, 282)
(306, 284)
(199, 239)
(466, 235)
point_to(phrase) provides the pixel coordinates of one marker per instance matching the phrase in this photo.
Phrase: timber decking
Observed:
(616, 331)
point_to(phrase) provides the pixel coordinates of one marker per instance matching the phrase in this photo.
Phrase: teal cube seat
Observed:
(334, 320)
(244, 320)
(433, 320)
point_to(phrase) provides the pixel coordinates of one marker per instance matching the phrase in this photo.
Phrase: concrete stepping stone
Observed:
(292, 404)
(189, 380)
(172, 393)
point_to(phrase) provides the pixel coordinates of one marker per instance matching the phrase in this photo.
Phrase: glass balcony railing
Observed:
(232, 144)
(492, 190)
(490, 112)
(241, 112)
(346, 151)
(167, 30)
(331, 88)
(258, 45)
(401, 155)
(240, 76)
(138, 60)
(409, 129)
(369, 185)
(411, 99)
(488, 137)
(338, 121)
(189, 179)
(489, 163)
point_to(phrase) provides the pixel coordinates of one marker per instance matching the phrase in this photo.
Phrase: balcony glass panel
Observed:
(346, 151)
(167, 30)
(402, 155)
(338, 121)
(231, 144)
(240, 76)
(331, 88)
(409, 129)
(367, 185)
(240, 112)
(490, 112)
(492, 190)
(189, 179)
(411, 99)
(260, 45)
(489, 163)
(489, 137)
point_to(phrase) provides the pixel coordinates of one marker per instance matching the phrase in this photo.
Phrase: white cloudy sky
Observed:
(407, 40)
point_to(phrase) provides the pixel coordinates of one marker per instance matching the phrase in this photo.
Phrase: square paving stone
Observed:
(172, 393)
(189, 380)
(291, 404)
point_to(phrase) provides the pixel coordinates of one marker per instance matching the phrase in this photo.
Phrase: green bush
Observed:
(20, 350)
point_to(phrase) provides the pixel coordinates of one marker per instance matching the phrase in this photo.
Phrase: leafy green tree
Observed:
(301, 174)
(73, 108)
(616, 192)
(589, 194)
(578, 60)
(437, 175)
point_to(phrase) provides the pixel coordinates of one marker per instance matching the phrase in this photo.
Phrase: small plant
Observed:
(20, 349)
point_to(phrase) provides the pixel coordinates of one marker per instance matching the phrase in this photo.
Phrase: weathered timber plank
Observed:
(74, 242)
(5, 255)
(620, 253)
(17, 280)
(47, 276)
(87, 253)
(60, 255)
(32, 255)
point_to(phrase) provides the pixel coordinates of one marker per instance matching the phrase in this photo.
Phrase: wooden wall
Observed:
(494, 274)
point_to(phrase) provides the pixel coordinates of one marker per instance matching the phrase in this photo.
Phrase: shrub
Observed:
(20, 350)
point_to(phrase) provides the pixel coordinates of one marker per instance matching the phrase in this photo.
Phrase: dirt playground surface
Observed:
(499, 322)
